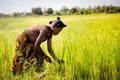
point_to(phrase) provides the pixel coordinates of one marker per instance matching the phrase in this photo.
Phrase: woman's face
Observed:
(56, 30)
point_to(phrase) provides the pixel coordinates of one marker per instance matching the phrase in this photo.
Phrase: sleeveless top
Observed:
(32, 35)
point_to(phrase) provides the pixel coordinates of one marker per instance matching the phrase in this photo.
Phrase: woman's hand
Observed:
(35, 48)
(48, 59)
(60, 61)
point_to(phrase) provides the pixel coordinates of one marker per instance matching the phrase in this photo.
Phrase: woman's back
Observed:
(34, 31)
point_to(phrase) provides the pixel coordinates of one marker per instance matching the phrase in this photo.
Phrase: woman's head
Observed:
(57, 25)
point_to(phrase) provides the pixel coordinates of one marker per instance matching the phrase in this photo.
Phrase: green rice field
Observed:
(89, 45)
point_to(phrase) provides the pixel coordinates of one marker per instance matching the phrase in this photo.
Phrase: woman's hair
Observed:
(58, 23)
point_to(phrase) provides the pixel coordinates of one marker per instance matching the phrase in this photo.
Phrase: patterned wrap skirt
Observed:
(25, 56)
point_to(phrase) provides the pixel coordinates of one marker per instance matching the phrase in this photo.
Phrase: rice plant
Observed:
(89, 45)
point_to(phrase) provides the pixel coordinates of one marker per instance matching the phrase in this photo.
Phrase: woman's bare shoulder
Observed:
(42, 27)
(37, 27)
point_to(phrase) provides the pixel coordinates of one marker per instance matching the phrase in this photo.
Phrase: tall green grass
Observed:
(89, 45)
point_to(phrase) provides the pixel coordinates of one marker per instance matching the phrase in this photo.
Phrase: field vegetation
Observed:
(89, 45)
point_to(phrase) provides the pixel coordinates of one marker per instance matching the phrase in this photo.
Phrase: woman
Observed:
(28, 51)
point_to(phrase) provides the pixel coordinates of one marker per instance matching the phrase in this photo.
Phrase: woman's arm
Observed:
(39, 40)
(37, 46)
(50, 50)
